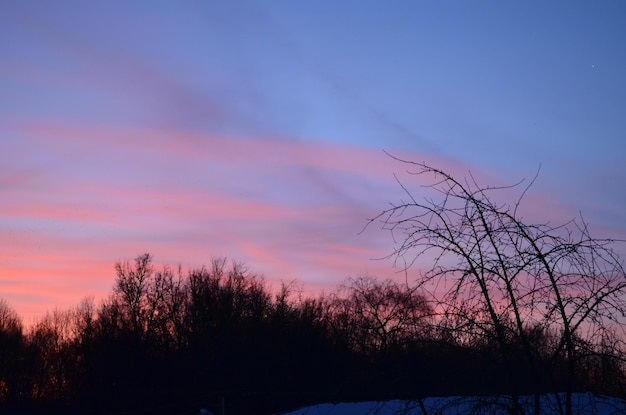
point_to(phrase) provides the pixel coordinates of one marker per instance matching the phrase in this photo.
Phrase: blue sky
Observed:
(256, 129)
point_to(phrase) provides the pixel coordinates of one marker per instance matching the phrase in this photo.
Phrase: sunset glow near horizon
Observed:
(255, 130)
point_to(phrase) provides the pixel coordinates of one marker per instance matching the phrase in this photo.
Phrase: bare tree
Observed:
(165, 300)
(379, 315)
(10, 347)
(151, 301)
(54, 361)
(496, 275)
(131, 288)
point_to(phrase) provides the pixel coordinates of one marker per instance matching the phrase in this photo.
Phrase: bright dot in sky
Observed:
(593, 66)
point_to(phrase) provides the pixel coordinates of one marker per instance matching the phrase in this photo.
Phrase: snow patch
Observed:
(582, 404)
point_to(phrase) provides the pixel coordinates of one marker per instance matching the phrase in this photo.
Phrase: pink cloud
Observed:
(291, 209)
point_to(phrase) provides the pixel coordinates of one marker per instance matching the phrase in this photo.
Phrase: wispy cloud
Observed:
(213, 129)
(292, 209)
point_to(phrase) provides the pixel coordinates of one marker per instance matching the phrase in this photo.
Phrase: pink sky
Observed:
(255, 130)
(294, 213)
(64, 231)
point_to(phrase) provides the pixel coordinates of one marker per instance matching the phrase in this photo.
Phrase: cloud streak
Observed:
(204, 130)
(292, 209)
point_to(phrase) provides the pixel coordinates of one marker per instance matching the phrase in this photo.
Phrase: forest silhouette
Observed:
(169, 341)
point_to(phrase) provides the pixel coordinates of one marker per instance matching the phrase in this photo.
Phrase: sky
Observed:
(257, 130)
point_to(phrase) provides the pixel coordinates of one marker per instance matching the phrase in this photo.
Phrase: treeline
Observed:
(173, 341)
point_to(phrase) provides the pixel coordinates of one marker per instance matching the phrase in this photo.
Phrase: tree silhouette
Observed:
(11, 348)
(494, 275)
(380, 316)
(131, 290)
(165, 341)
